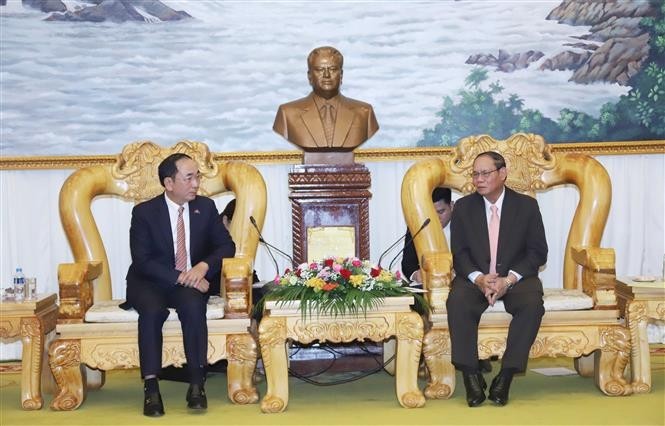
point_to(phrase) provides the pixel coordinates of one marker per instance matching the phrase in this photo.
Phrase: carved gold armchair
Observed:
(585, 326)
(93, 334)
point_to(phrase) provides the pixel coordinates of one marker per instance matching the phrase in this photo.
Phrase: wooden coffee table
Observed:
(31, 321)
(638, 302)
(393, 318)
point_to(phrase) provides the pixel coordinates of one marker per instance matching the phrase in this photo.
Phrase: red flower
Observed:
(286, 271)
(375, 272)
(328, 263)
(298, 271)
(345, 273)
(329, 286)
(357, 263)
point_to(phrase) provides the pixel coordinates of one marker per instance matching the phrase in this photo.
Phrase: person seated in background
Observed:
(443, 204)
(441, 197)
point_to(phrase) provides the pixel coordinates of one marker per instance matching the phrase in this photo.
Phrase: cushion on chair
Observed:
(110, 311)
(556, 299)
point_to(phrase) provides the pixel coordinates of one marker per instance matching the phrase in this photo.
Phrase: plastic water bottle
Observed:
(19, 285)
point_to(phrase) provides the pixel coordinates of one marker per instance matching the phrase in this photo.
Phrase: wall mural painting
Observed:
(85, 77)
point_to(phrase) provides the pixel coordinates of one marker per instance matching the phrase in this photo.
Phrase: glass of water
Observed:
(31, 288)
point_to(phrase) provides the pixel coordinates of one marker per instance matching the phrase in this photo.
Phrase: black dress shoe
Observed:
(475, 388)
(485, 366)
(500, 388)
(196, 397)
(152, 405)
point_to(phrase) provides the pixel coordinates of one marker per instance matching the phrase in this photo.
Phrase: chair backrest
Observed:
(532, 167)
(134, 177)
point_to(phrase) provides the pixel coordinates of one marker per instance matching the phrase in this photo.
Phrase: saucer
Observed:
(644, 279)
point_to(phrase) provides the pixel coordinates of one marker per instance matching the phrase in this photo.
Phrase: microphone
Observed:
(392, 246)
(274, 261)
(409, 242)
(263, 241)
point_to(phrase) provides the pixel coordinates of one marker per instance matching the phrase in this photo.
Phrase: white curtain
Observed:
(31, 234)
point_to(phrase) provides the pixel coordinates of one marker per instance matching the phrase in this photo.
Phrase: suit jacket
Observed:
(151, 242)
(522, 244)
(300, 123)
(410, 260)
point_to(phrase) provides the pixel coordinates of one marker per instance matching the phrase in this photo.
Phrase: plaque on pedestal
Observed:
(330, 211)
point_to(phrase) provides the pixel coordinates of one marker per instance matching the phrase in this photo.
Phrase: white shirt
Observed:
(488, 214)
(173, 218)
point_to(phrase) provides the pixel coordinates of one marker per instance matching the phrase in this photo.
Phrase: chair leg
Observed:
(409, 327)
(65, 363)
(242, 355)
(272, 338)
(436, 349)
(611, 361)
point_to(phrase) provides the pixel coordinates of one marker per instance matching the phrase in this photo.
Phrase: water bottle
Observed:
(19, 285)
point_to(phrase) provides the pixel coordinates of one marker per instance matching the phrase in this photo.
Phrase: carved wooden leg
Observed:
(409, 345)
(32, 336)
(242, 354)
(436, 349)
(272, 338)
(65, 363)
(640, 366)
(611, 360)
(585, 365)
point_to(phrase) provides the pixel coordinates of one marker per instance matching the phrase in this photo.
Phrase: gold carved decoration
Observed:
(138, 162)
(338, 331)
(526, 155)
(294, 157)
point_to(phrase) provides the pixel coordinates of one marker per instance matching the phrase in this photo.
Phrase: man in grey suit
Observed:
(325, 120)
(498, 245)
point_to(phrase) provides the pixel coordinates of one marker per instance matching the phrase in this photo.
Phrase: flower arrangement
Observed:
(335, 286)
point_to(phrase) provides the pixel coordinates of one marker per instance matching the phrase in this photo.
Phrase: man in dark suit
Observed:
(177, 244)
(498, 244)
(325, 120)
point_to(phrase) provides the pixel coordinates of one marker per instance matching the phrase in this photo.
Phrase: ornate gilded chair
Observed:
(587, 327)
(84, 348)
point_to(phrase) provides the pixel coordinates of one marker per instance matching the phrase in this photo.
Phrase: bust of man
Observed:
(325, 121)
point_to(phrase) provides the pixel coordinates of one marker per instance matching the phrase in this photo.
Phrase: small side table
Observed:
(639, 301)
(32, 321)
(394, 318)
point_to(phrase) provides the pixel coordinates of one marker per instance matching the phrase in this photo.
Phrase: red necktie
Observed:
(181, 248)
(494, 237)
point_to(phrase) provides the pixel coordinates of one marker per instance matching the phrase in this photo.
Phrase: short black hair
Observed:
(441, 194)
(168, 167)
(229, 210)
(499, 161)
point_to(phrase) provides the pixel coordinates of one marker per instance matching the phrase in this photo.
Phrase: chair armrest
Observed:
(237, 273)
(436, 269)
(598, 274)
(75, 287)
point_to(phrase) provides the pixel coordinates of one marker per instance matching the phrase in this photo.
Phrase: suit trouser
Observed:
(465, 305)
(152, 303)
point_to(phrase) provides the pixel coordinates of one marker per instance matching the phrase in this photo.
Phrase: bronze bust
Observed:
(325, 121)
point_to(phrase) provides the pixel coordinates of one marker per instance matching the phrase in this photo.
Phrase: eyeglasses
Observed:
(484, 173)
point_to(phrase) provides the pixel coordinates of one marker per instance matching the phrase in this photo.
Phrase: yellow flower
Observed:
(385, 276)
(356, 280)
(315, 282)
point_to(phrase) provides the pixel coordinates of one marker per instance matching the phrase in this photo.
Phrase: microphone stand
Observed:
(409, 242)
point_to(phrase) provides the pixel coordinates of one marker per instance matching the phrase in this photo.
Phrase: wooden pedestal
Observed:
(329, 197)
